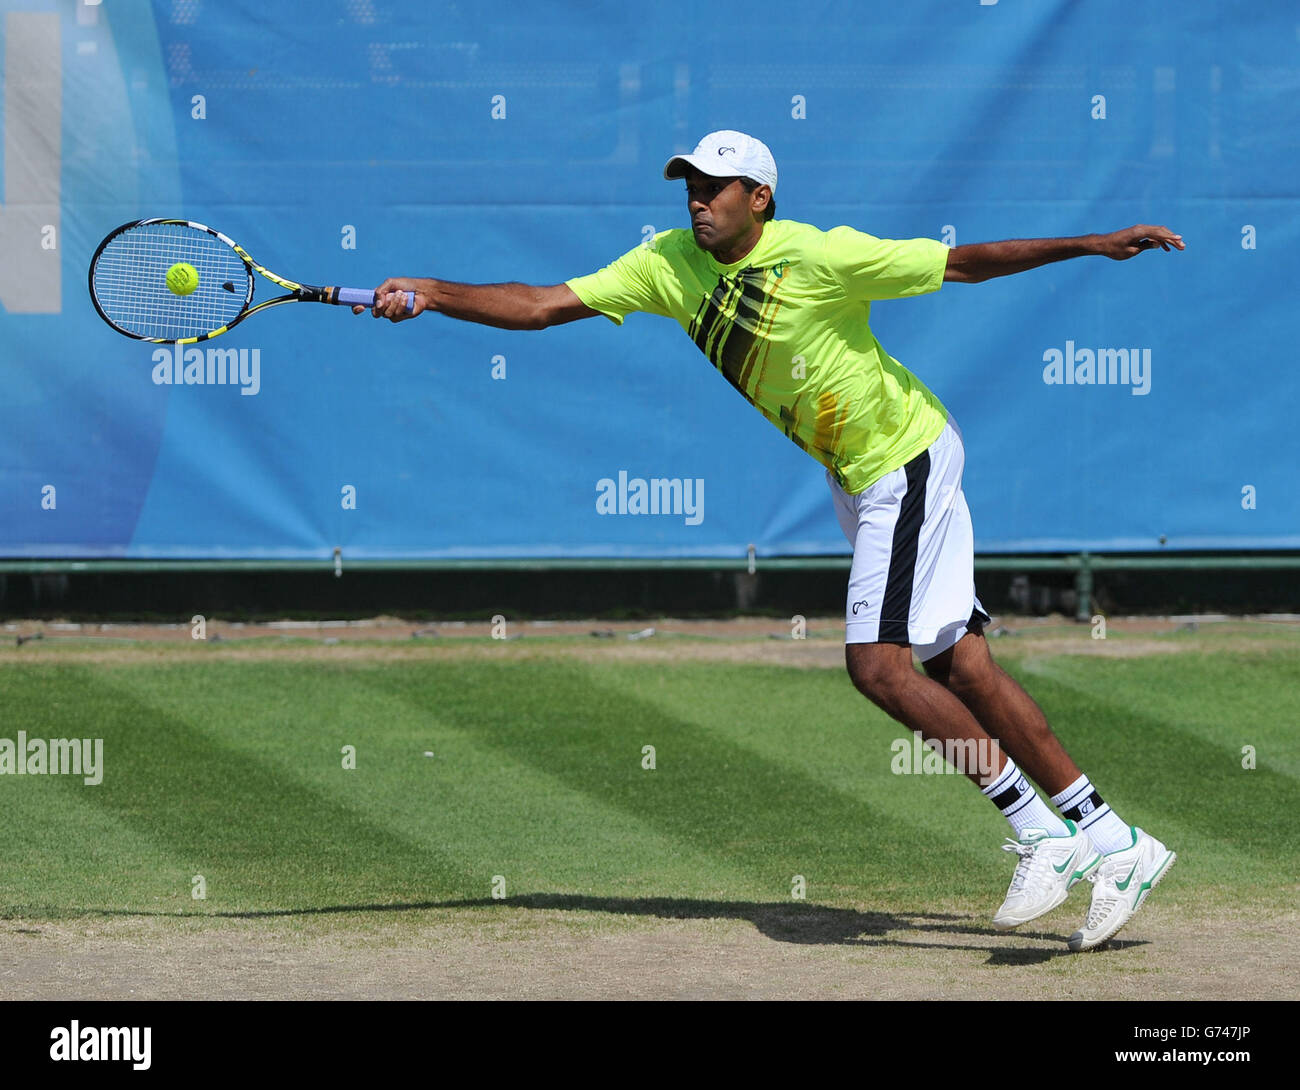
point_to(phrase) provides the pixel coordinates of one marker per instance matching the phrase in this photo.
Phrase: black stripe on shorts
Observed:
(897, 606)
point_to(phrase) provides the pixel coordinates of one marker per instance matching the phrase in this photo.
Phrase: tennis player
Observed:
(781, 309)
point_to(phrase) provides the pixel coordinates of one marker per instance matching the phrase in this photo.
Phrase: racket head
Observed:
(128, 281)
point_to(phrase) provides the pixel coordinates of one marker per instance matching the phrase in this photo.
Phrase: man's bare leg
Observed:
(883, 672)
(1053, 857)
(1005, 711)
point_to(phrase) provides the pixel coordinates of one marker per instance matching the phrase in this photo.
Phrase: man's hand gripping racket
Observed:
(397, 299)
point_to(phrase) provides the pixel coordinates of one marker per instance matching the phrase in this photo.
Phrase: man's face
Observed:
(720, 209)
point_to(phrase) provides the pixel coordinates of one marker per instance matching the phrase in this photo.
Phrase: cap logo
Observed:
(732, 150)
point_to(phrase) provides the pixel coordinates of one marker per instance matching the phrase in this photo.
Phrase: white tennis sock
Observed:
(1082, 805)
(1015, 796)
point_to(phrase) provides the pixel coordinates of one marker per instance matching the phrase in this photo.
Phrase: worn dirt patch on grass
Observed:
(542, 953)
(758, 640)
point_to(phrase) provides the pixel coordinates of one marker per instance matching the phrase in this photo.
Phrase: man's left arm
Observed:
(985, 260)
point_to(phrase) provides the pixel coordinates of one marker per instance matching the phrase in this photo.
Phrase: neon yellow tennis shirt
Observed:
(787, 326)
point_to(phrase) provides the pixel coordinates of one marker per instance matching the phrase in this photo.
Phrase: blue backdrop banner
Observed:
(1142, 405)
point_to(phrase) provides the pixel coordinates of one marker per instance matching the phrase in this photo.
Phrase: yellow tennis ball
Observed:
(182, 279)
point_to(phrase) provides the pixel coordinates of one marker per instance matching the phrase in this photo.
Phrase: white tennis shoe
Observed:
(1049, 867)
(1120, 887)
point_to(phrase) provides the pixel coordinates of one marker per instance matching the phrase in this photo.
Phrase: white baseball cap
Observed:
(727, 154)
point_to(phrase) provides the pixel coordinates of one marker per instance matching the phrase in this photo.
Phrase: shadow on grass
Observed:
(792, 922)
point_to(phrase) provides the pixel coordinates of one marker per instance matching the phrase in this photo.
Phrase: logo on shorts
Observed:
(862, 603)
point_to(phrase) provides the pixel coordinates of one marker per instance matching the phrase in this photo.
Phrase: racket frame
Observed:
(297, 293)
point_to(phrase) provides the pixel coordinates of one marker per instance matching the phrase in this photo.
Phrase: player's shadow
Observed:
(812, 924)
(782, 921)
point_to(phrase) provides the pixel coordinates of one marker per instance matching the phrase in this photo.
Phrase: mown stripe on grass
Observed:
(260, 838)
(485, 812)
(1229, 699)
(1162, 776)
(492, 813)
(763, 773)
(586, 726)
(1218, 836)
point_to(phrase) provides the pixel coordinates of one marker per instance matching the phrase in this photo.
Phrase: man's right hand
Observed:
(1121, 245)
(391, 299)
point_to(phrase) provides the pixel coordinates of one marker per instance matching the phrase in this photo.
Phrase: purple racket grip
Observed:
(366, 298)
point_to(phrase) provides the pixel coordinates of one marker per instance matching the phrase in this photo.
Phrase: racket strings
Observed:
(130, 281)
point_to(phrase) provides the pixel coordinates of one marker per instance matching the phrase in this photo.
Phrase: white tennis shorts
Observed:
(913, 576)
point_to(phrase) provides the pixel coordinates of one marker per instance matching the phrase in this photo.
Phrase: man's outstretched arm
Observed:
(506, 306)
(985, 260)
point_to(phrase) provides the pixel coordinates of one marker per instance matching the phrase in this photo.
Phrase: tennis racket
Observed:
(128, 283)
